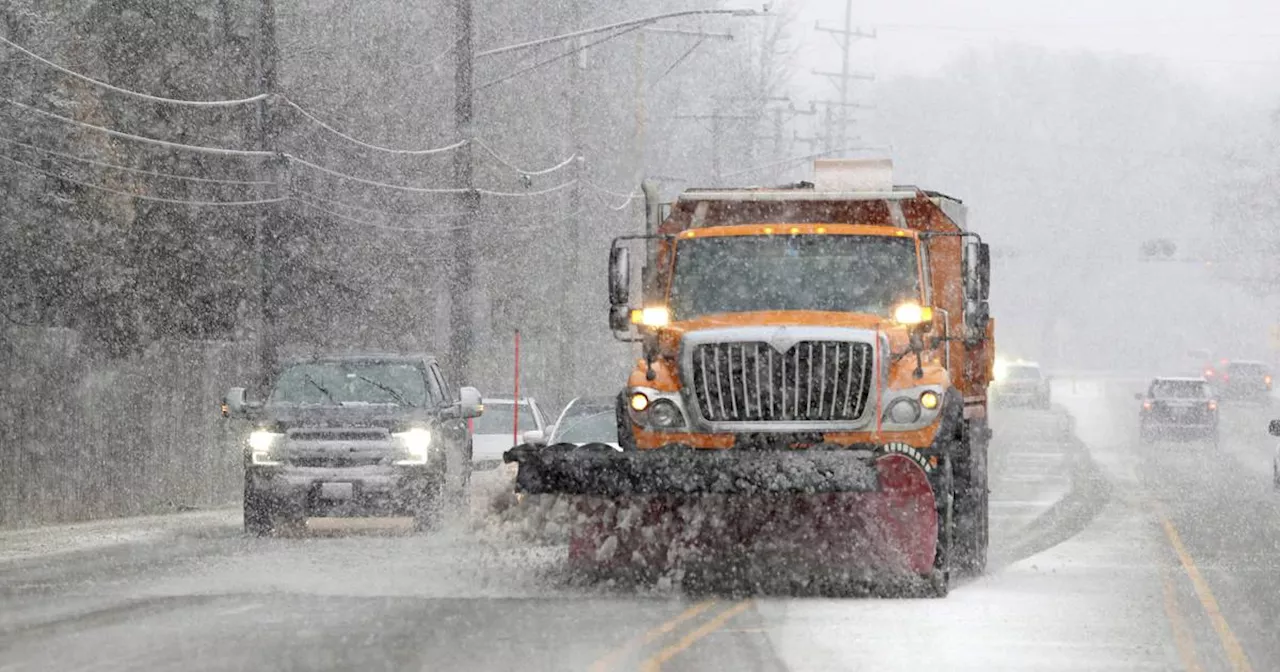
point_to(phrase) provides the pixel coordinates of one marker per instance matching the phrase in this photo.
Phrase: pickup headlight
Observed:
(416, 443)
(261, 442)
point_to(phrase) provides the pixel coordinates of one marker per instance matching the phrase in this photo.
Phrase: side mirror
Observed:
(1139, 396)
(1274, 428)
(234, 404)
(470, 404)
(534, 437)
(620, 318)
(619, 276)
(984, 272)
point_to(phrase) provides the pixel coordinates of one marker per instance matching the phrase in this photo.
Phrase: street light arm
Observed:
(615, 26)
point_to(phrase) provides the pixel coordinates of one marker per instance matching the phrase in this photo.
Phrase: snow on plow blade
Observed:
(598, 469)
(812, 509)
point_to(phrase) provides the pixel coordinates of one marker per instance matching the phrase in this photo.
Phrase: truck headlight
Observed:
(261, 442)
(665, 414)
(904, 412)
(416, 443)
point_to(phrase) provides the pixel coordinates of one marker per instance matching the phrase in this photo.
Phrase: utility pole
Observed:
(717, 131)
(461, 306)
(268, 59)
(570, 348)
(845, 37)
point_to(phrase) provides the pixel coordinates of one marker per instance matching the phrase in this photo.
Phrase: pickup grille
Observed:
(338, 435)
(334, 462)
(813, 381)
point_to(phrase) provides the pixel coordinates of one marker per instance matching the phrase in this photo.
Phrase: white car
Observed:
(492, 433)
(1022, 384)
(587, 420)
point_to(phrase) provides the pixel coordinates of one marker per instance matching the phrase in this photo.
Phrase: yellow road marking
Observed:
(651, 636)
(1182, 637)
(1235, 653)
(655, 663)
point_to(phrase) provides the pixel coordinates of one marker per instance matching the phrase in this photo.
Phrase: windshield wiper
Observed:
(320, 387)
(399, 397)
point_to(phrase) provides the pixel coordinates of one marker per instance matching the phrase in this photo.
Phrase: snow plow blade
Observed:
(601, 470)
(869, 513)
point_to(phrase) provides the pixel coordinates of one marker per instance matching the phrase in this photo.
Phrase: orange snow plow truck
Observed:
(812, 390)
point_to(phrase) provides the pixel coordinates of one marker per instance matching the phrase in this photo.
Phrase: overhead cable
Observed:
(366, 145)
(139, 171)
(492, 152)
(138, 138)
(553, 59)
(375, 183)
(135, 94)
(129, 194)
(540, 192)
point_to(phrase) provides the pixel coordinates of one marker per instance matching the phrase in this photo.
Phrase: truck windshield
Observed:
(320, 383)
(733, 274)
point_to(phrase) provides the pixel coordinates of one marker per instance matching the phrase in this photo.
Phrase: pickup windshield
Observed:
(320, 383)
(837, 273)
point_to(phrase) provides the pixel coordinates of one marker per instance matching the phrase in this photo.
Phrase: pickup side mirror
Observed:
(234, 404)
(1274, 428)
(470, 404)
(534, 437)
(1139, 396)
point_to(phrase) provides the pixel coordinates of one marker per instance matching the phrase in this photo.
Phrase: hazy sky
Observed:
(1233, 45)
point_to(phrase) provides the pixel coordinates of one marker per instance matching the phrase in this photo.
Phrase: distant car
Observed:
(354, 435)
(1246, 381)
(491, 433)
(587, 420)
(1178, 408)
(1023, 384)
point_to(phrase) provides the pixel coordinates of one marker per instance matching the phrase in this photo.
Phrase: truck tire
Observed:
(938, 581)
(972, 504)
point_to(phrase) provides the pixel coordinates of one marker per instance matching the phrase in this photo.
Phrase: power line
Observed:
(143, 197)
(520, 170)
(366, 145)
(138, 138)
(136, 94)
(372, 183)
(139, 171)
(540, 192)
(512, 75)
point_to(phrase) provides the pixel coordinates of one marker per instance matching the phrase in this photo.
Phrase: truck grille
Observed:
(334, 462)
(816, 381)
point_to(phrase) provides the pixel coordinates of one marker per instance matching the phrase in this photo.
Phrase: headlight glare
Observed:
(262, 440)
(639, 402)
(929, 400)
(417, 443)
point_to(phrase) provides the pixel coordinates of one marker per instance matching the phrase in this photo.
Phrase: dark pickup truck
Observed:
(354, 435)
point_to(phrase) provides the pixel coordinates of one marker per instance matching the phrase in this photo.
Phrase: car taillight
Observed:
(1208, 373)
(1213, 405)
(1267, 380)
(1146, 405)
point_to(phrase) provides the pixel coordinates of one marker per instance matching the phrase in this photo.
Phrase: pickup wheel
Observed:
(257, 512)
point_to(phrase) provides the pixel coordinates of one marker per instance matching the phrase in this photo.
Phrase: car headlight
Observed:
(416, 444)
(261, 442)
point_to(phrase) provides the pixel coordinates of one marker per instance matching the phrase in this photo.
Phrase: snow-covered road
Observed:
(1084, 576)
